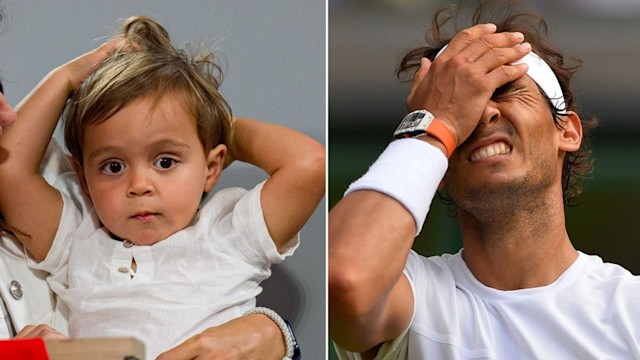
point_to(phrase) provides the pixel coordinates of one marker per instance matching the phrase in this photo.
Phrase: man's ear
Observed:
(215, 164)
(571, 132)
(77, 167)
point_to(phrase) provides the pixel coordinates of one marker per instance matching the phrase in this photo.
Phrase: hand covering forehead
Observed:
(540, 72)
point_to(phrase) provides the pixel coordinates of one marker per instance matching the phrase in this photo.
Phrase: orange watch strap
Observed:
(440, 131)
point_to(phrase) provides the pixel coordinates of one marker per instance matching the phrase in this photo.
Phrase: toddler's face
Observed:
(145, 170)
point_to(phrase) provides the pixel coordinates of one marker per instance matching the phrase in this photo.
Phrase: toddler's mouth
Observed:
(145, 216)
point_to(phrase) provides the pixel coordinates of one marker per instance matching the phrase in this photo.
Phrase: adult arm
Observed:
(253, 336)
(370, 234)
(249, 337)
(23, 191)
(296, 166)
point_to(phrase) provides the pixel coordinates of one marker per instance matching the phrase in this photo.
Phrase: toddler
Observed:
(129, 246)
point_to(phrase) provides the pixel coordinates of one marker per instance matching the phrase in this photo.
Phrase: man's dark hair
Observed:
(508, 16)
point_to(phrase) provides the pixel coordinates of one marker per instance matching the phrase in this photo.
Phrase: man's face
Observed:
(512, 153)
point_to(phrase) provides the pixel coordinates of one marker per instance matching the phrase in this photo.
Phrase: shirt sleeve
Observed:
(236, 222)
(75, 206)
(395, 349)
(54, 163)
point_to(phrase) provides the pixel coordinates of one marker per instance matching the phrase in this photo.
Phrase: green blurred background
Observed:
(366, 102)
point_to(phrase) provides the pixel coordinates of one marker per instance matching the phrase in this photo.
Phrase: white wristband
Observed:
(408, 170)
(289, 340)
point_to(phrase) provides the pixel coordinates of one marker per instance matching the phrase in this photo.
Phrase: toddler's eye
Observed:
(112, 167)
(165, 163)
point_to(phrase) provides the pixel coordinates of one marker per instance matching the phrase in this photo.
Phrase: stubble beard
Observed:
(493, 204)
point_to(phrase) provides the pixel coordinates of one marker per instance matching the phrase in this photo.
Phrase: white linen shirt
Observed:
(202, 276)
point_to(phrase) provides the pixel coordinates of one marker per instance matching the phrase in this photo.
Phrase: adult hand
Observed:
(40, 331)
(253, 336)
(457, 86)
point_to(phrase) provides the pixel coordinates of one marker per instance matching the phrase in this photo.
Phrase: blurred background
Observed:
(366, 103)
(274, 56)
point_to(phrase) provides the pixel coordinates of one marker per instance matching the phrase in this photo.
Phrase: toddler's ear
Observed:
(215, 164)
(80, 173)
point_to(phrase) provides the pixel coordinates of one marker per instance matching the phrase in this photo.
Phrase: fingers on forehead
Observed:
(479, 45)
(501, 56)
(465, 37)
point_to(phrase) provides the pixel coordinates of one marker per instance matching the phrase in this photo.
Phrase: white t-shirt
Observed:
(202, 276)
(592, 311)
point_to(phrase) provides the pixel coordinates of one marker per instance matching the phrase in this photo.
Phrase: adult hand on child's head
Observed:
(40, 331)
(248, 337)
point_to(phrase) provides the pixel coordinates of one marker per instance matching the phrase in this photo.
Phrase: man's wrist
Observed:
(409, 171)
(433, 142)
(420, 123)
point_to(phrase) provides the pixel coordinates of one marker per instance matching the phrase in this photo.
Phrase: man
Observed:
(503, 115)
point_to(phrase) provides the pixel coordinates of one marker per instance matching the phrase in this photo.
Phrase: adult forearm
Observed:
(253, 336)
(370, 235)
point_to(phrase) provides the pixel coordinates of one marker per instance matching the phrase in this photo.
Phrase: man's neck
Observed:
(523, 247)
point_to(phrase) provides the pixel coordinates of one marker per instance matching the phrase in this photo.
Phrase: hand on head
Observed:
(457, 85)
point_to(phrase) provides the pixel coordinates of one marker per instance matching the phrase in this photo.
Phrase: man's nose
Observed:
(490, 114)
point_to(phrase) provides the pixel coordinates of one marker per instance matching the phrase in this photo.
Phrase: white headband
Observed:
(540, 72)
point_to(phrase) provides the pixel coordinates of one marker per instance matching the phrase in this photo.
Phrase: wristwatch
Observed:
(422, 122)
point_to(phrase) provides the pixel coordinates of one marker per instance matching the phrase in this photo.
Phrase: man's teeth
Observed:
(498, 148)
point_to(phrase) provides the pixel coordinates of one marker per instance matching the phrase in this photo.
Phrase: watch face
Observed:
(411, 121)
(414, 124)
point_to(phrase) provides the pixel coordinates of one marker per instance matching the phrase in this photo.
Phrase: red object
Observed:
(23, 349)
